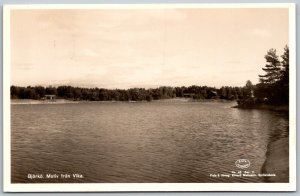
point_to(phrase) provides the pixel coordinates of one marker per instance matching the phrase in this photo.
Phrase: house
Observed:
(50, 97)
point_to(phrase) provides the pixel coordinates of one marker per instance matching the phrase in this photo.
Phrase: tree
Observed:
(274, 85)
(14, 92)
(272, 68)
(51, 90)
(40, 90)
(223, 93)
(284, 82)
(248, 89)
(285, 64)
(229, 93)
(149, 98)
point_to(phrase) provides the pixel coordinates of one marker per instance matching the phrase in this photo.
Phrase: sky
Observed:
(111, 48)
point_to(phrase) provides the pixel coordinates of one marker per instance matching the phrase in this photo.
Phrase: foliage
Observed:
(274, 85)
(272, 68)
(132, 94)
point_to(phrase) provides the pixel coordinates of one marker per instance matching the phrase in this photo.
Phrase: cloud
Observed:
(88, 52)
(234, 62)
(22, 66)
(148, 47)
(260, 33)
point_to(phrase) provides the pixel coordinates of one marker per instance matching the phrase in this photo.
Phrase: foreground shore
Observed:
(277, 161)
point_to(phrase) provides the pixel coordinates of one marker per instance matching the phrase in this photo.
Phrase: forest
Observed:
(273, 86)
(132, 94)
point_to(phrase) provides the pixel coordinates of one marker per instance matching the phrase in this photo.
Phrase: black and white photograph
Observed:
(157, 97)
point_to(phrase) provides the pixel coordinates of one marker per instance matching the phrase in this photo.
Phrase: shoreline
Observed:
(66, 101)
(282, 108)
(35, 102)
(277, 161)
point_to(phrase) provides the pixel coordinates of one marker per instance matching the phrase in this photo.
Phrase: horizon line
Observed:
(97, 87)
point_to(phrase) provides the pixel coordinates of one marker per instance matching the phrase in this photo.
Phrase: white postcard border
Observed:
(117, 187)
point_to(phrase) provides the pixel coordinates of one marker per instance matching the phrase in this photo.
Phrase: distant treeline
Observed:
(273, 88)
(132, 94)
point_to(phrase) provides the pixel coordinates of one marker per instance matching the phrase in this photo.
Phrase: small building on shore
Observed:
(49, 97)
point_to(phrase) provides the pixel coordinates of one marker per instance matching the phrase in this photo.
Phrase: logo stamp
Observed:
(242, 163)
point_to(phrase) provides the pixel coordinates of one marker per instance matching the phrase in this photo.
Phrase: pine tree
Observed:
(272, 68)
(285, 64)
(284, 81)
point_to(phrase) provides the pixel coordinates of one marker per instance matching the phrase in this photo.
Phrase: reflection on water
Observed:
(140, 142)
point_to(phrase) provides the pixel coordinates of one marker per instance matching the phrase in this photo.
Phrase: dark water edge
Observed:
(279, 108)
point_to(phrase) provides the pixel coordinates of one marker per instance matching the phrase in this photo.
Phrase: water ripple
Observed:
(141, 142)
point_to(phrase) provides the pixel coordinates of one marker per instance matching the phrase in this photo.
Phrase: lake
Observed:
(159, 141)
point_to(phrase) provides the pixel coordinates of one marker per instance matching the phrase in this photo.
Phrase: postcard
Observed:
(149, 97)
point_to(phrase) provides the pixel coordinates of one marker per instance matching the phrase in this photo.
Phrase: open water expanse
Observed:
(176, 141)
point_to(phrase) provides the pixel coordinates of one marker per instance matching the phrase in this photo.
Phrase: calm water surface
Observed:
(140, 142)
